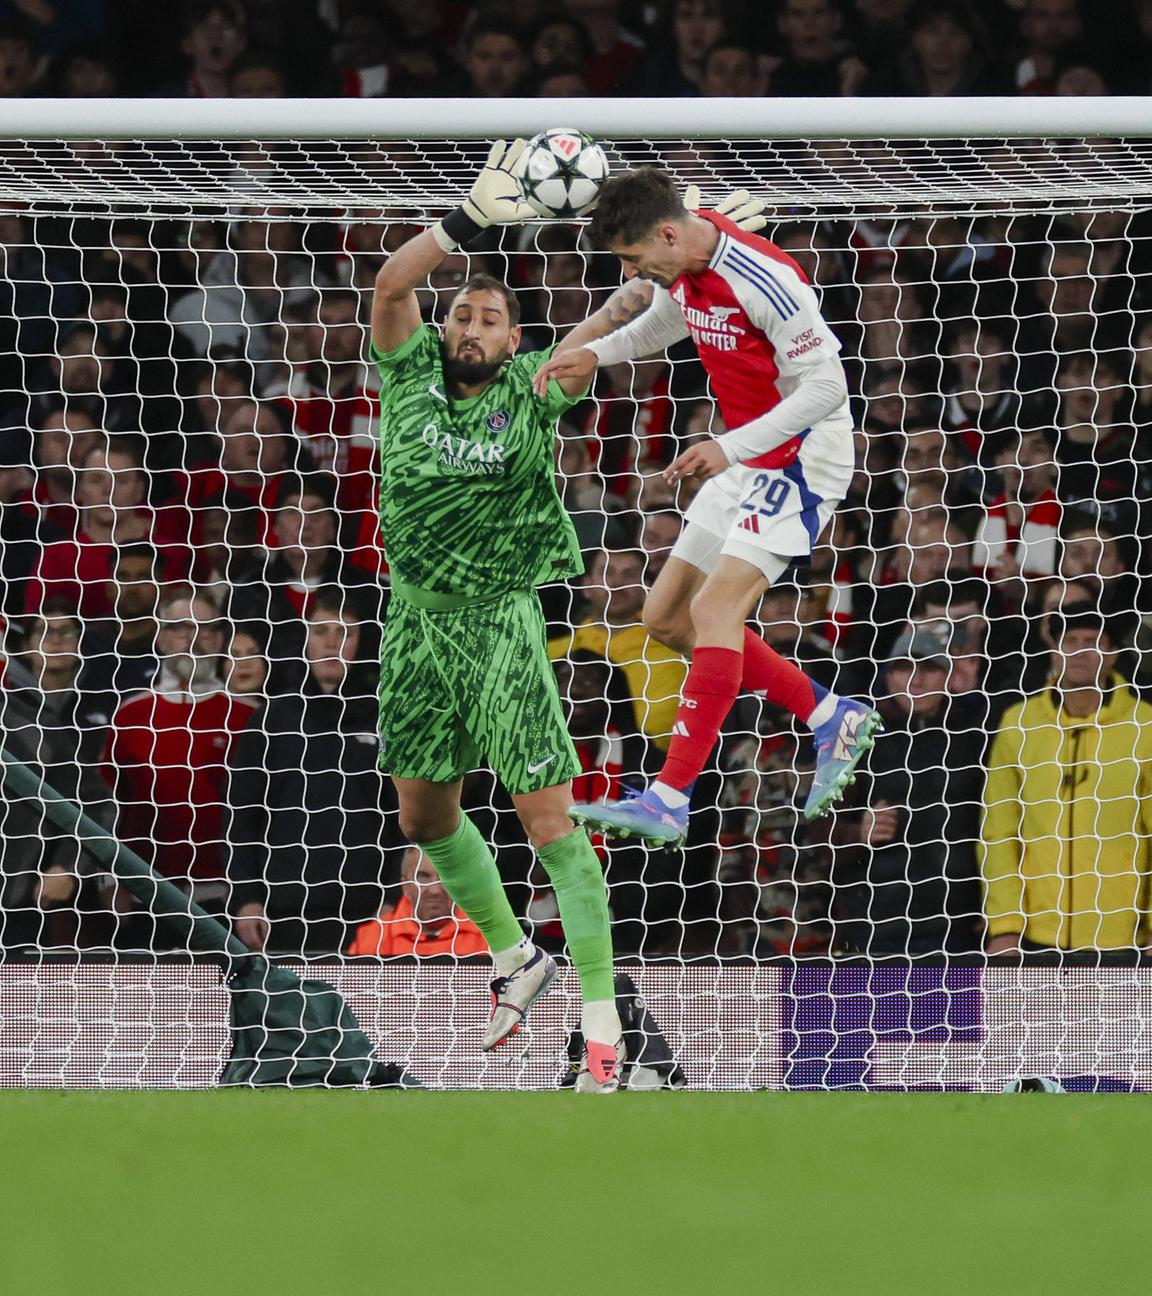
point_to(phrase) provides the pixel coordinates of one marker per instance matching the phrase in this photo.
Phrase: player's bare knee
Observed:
(708, 612)
(671, 631)
(421, 825)
(544, 834)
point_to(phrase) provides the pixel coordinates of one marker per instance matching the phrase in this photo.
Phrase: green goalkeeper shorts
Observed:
(472, 684)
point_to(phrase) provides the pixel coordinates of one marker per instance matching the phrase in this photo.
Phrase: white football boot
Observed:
(513, 995)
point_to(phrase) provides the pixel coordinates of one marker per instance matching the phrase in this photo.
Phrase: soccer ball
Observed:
(561, 172)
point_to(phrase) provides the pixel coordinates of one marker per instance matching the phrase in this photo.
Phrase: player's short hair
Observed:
(489, 283)
(632, 204)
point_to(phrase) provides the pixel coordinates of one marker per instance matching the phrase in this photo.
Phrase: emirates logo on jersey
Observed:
(713, 327)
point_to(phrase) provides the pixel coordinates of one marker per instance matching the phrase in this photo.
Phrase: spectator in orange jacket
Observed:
(422, 922)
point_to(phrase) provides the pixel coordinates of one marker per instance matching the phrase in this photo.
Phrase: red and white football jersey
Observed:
(1034, 544)
(757, 326)
(341, 433)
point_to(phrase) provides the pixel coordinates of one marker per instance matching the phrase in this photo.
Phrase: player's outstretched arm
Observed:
(822, 390)
(646, 319)
(494, 199)
(639, 319)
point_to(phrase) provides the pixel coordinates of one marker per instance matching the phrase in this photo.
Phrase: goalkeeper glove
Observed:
(495, 199)
(740, 206)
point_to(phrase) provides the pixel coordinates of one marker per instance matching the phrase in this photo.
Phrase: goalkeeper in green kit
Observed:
(472, 523)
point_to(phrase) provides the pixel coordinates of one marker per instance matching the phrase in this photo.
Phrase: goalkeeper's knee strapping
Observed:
(470, 877)
(574, 869)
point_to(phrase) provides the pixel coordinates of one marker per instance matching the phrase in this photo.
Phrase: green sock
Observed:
(578, 881)
(470, 877)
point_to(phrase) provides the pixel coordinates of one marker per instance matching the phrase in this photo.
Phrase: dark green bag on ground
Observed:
(284, 1031)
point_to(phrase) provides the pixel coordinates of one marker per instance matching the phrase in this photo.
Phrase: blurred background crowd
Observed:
(193, 580)
(270, 48)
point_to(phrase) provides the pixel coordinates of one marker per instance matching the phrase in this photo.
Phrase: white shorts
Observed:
(769, 517)
(702, 549)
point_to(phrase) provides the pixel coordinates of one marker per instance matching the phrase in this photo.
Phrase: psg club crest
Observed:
(498, 421)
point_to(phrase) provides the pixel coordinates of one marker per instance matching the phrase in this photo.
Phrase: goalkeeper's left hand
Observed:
(494, 199)
(739, 206)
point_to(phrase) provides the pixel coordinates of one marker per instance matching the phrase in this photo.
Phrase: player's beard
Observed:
(472, 369)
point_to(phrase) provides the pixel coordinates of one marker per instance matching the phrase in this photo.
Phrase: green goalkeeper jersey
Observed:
(468, 502)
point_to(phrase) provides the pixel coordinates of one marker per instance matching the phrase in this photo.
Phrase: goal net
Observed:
(193, 584)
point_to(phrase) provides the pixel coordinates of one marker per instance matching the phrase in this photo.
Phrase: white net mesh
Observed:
(193, 583)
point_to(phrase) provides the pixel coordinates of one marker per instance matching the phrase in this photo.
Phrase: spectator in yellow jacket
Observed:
(612, 629)
(1068, 805)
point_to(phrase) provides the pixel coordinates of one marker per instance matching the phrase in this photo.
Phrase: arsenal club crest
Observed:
(498, 421)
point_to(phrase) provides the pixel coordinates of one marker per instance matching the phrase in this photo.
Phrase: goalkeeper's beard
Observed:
(471, 369)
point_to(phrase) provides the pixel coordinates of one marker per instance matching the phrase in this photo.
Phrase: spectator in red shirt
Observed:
(111, 494)
(1018, 535)
(629, 428)
(64, 438)
(1051, 30)
(258, 459)
(335, 403)
(166, 754)
(305, 560)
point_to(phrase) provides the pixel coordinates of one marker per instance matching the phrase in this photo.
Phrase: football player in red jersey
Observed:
(771, 484)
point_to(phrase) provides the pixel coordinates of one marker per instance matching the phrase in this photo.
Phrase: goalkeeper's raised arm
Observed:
(494, 199)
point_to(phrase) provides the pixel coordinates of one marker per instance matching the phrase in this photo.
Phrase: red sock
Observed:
(781, 682)
(712, 686)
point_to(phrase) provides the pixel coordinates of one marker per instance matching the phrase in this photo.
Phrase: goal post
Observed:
(191, 446)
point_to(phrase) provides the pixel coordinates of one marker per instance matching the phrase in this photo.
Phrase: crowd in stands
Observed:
(192, 581)
(565, 48)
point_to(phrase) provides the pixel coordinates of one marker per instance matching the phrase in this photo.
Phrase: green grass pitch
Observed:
(691, 1194)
